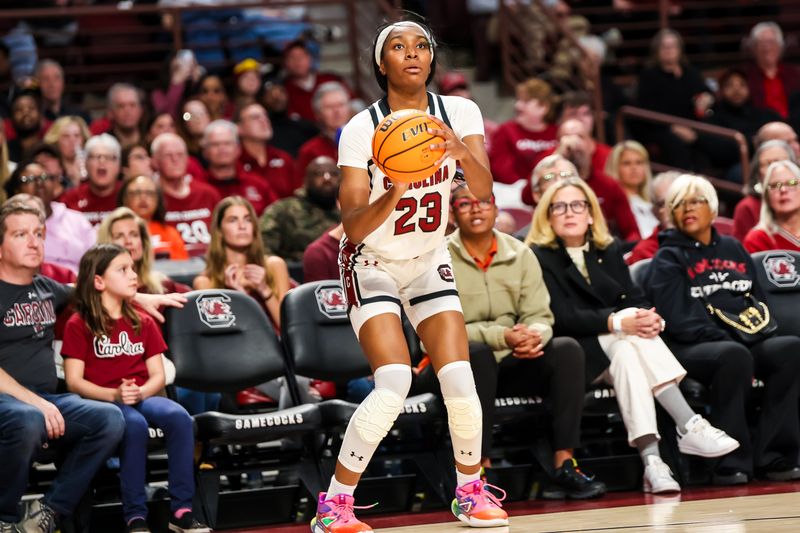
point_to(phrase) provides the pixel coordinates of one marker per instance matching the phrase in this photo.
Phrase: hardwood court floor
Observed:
(756, 507)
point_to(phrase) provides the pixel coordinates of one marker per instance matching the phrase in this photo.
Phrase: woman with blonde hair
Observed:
(70, 134)
(124, 227)
(779, 225)
(236, 260)
(594, 301)
(629, 164)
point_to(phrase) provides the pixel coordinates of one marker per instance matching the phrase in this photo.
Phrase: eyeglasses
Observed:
(576, 206)
(691, 203)
(553, 175)
(790, 185)
(102, 157)
(33, 178)
(135, 193)
(465, 205)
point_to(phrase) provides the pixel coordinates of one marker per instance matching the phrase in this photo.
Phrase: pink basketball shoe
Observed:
(477, 507)
(335, 515)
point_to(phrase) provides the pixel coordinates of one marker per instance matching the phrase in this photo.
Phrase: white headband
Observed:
(388, 29)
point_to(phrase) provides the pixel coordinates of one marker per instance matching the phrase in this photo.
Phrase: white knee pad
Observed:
(464, 415)
(375, 416)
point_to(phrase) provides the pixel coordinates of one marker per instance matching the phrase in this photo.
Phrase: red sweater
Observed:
(278, 172)
(254, 189)
(758, 240)
(746, 216)
(644, 249)
(514, 151)
(320, 145)
(299, 104)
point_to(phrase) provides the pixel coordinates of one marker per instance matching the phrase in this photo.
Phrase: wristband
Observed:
(616, 323)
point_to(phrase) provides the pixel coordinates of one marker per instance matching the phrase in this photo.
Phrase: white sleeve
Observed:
(465, 116)
(355, 142)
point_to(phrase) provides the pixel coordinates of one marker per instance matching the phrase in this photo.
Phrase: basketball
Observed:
(401, 146)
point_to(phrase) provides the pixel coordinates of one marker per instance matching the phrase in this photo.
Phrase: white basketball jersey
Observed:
(418, 222)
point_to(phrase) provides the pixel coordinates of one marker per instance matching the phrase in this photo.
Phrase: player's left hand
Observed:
(452, 145)
(150, 303)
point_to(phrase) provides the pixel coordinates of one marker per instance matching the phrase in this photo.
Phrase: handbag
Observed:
(749, 326)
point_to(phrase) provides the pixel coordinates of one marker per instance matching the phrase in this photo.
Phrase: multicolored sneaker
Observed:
(335, 515)
(477, 507)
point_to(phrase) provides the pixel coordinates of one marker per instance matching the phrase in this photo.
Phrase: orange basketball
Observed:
(401, 146)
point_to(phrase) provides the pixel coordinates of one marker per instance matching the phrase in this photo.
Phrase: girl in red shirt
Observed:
(113, 353)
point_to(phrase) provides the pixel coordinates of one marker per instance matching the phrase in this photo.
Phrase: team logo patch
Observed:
(446, 273)
(331, 301)
(215, 311)
(781, 270)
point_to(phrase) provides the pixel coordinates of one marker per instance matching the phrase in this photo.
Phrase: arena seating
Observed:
(778, 277)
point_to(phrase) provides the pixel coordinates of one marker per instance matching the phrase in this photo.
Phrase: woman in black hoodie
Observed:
(695, 266)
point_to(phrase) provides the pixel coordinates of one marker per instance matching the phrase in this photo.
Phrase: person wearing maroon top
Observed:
(772, 83)
(321, 258)
(124, 116)
(258, 157)
(302, 80)
(779, 226)
(113, 354)
(647, 248)
(189, 203)
(332, 106)
(519, 144)
(97, 196)
(221, 149)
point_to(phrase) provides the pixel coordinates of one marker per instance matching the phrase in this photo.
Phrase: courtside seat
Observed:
(224, 428)
(181, 271)
(639, 271)
(777, 273)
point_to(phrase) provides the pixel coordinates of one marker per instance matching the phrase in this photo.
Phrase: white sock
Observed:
(336, 488)
(462, 478)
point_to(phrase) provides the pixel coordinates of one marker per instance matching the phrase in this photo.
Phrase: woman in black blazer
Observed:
(594, 301)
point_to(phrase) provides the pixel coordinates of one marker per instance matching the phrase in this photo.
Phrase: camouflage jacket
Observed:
(289, 225)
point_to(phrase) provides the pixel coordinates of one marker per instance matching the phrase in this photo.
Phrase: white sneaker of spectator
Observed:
(658, 477)
(705, 440)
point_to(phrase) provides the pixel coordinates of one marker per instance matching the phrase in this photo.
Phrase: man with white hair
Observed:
(331, 104)
(648, 246)
(97, 196)
(123, 119)
(220, 144)
(772, 82)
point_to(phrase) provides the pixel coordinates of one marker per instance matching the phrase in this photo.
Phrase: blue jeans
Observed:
(178, 430)
(198, 402)
(92, 432)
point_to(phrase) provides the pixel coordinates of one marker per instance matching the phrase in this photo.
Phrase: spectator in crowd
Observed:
(177, 77)
(50, 76)
(629, 164)
(331, 104)
(748, 210)
(301, 79)
(685, 278)
(124, 119)
(258, 157)
(97, 196)
(510, 329)
(295, 131)
(579, 105)
(69, 234)
(221, 149)
(6, 165)
(551, 169)
(647, 248)
(321, 257)
(577, 146)
(85, 432)
(289, 225)
(26, 123)
(734, 109)
(505, 223)
(135, 160)
(160, 123)
(670, 85)
(188, 203)
(69, 134)
(49, 157)
(772, 82)
(455, 84)
(594, 300)
(236, 258)
(779, 225)
(193, 122)
(780, 131)
(211, 91)
(248, 83)
(143, 196)
(519, 144)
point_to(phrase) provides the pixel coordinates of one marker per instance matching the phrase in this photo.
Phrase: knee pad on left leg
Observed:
(464, 415)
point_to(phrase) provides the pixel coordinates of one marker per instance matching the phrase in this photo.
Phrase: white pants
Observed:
(638, 367)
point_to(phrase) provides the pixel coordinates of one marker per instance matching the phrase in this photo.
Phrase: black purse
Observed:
(750, 326)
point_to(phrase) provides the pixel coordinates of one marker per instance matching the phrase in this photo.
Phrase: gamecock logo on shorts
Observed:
(781, 270)
(215, 311)
(446, 273)
(331, 301)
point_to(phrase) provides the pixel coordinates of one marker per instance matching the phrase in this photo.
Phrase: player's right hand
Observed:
(53, 420)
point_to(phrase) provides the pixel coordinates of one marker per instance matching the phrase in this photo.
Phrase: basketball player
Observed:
(393, 255)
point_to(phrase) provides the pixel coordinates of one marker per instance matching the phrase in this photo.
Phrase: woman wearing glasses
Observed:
(695, 271)
(779, 227)
(594, 301)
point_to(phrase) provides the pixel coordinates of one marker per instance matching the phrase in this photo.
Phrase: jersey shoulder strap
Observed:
(382, 107)
(440, 107)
